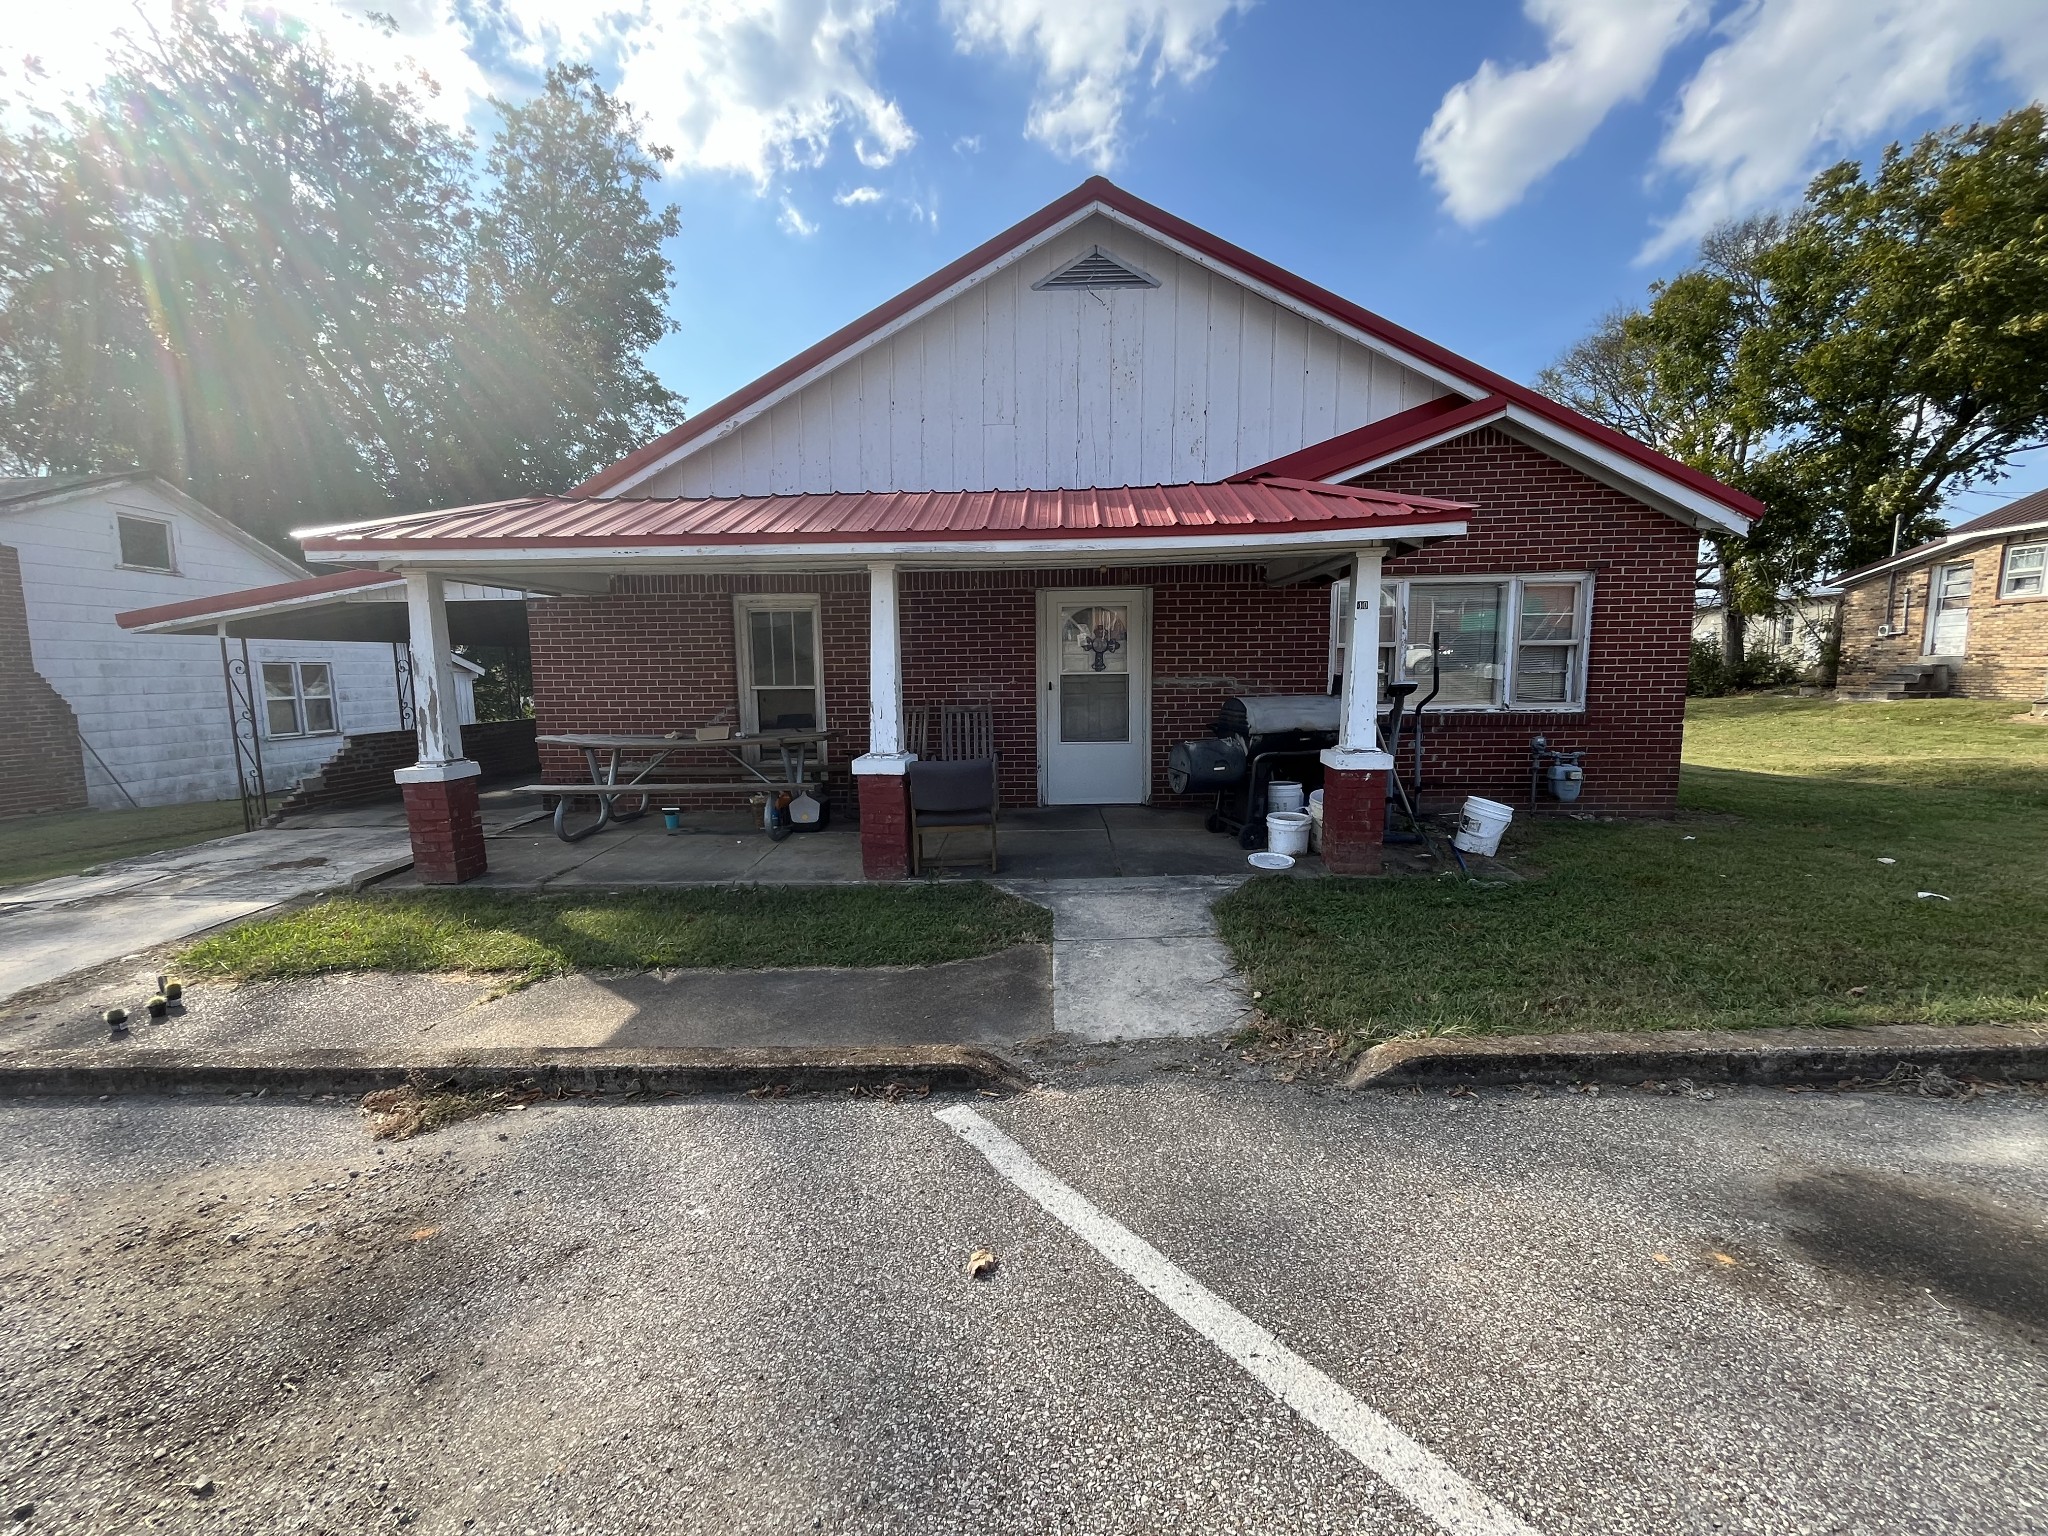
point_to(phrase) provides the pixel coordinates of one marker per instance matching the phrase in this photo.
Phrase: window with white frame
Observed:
(1507, 642)
(782, 681)
(298, 699)
(2026, 571)
(145, 542)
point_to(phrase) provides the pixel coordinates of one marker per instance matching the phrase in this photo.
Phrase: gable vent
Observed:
(1096, 269)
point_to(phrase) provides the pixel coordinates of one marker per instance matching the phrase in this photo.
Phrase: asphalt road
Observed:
(1762, 1312)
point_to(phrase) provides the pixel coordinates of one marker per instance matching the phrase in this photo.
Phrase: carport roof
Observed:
(348, 605)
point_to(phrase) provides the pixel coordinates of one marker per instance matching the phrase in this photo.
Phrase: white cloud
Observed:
(749, 87)
(793, 221)
(1794, 84)
(1786, 86)
(967, 144)
(1498, 133)
(1088, 52)
(857, 196)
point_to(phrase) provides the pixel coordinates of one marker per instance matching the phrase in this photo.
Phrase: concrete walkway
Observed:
(55, 927)
(1138, 959)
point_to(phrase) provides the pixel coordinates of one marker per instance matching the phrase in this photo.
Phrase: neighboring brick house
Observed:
(1965, 614)
(1099, 475)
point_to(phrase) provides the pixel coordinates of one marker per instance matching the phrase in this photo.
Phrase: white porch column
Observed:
(435, 716)
(1358, 741)
(885, 754)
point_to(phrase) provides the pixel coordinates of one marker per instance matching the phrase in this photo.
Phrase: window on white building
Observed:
(1509, 642)
(782, 683)
(145, 542)
(2026, 571)
(298, 698)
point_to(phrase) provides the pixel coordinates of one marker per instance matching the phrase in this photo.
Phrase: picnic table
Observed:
(634, 768)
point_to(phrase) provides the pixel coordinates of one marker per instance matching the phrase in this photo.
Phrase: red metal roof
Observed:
(224, 603)
(1097, 189)
(891, 517)
(1390, 434)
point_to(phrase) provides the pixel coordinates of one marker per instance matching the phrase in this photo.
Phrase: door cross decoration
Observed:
(1106, 636)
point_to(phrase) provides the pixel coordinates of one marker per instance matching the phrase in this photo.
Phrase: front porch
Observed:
(1125, 842)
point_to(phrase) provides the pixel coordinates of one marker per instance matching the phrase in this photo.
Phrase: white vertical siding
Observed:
(154, 706)
(1003, 387)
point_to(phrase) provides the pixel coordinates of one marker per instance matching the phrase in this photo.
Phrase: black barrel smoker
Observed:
(1254, 738)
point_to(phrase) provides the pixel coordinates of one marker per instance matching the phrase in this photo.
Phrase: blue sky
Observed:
(1494, 174)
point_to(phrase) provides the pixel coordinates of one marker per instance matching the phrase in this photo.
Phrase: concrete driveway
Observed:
(1253, 1309)
(55, 927)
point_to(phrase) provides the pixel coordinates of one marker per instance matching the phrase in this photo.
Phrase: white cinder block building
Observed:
(152, 710)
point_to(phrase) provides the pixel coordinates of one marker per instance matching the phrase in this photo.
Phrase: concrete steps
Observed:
(1931, 680)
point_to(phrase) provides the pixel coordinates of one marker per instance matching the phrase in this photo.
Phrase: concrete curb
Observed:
(591, 1070)
(1743, 1056)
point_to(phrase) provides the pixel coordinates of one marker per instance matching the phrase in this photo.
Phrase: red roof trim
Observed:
(1100, 189)
(254, 597)
(1390, 434)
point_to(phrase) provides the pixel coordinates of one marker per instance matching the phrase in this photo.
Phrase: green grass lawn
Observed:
(534, 936)
(38, 847)
(1765, 903)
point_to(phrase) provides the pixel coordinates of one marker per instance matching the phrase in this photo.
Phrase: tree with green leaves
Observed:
(283, 286)
(1851, 365)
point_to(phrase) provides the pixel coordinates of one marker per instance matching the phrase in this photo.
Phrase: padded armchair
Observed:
(956, 794)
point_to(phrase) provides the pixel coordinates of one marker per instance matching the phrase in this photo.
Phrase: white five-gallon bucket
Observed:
(1283, 795)
(1287, 832)
(1481, 824)
(1315, 822)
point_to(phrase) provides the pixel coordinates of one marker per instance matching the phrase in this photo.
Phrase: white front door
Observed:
(1948, 610)
(1094, 719)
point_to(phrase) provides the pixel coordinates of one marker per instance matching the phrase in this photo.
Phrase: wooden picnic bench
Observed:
(800, 759)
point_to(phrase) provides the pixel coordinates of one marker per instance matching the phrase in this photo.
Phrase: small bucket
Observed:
(1283, 795)
(1315, 822)
(672, 817)
(1481, 824)
(1287, 832)
(1566, 780)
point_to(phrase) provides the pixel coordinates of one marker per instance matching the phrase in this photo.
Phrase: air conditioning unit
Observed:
(1887, 631)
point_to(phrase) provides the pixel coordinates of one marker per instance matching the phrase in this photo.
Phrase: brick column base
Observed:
(884, 825)
(1354, 820)
(447, 827)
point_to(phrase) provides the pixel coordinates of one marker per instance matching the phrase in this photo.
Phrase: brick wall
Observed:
(2005, 655)
(362, 769)
(42, 765)
(658, 653)
(1531, 514)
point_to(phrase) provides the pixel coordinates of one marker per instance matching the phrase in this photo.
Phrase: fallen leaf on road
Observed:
(1661, 1258)
(1722, 1258)
(981, 1262)
(421, 1234)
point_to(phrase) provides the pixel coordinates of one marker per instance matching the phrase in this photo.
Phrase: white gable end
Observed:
(1005, 386)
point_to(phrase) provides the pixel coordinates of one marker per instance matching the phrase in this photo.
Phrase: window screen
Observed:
(1547, 656)
(782, 667)
(145, 543)
(2026, 565)
(1464, 617)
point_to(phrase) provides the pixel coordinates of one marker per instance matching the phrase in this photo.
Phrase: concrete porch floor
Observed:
(718, 848)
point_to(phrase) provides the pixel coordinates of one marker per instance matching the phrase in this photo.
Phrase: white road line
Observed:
(1416, 1473)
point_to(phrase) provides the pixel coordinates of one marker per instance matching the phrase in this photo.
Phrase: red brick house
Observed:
(1104, 416)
